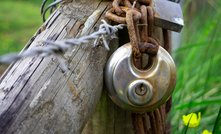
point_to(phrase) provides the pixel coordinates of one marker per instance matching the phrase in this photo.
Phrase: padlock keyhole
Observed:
(141, 89)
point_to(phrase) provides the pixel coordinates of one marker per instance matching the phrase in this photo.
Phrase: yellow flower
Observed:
(192, 119)
(206, 132)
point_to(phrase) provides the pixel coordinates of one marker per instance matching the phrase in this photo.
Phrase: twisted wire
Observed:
(50, 6)
(57, 48)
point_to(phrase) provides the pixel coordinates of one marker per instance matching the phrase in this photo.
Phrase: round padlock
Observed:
(139, 90)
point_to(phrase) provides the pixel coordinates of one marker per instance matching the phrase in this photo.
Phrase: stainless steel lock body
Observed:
(139, 90)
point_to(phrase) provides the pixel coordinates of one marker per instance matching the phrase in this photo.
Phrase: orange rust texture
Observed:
(132, 33)
(137, 123)
(148, 48)
(150, 20)
(144, 117)
(152, 122)
(146, 2)
(73, 91)
(158, 121)
(143, 20)
(163, 116)
(126, 3)
(166, 38)
(110, 15)
(117, 8)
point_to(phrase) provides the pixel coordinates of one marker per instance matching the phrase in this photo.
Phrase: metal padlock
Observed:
(139, 90)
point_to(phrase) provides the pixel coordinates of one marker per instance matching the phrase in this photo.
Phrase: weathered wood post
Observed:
(36, 96)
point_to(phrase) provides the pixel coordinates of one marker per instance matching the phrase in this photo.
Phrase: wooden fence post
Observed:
(107, 117)
(36, 96)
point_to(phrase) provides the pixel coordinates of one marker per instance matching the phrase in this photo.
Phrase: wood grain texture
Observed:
(108, 118)
(36, 96)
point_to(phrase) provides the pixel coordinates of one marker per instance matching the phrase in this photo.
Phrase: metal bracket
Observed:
(168, 15)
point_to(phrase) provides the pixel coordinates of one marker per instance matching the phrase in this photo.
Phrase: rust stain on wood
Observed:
(77, 27)
(43, 27)
(72, 90)
(71, 85)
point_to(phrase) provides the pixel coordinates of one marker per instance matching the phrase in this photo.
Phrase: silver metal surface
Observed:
(138, 96)
(122, 78)
(168, 15)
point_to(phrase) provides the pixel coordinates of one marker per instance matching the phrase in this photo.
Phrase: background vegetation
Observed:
(19, 20)
(198, 66)
(198, 58)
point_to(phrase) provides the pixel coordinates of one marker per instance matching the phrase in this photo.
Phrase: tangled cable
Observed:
(57, 48)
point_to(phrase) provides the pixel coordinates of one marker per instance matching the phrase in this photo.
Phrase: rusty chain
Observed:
(142, 41)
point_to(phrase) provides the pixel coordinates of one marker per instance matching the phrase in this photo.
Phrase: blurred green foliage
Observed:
(19, 20)
(198, 59)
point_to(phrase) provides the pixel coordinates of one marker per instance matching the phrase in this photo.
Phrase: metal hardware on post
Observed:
(142, 41)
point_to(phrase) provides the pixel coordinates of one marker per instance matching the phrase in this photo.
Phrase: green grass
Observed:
(198, 59)
(19, 20)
